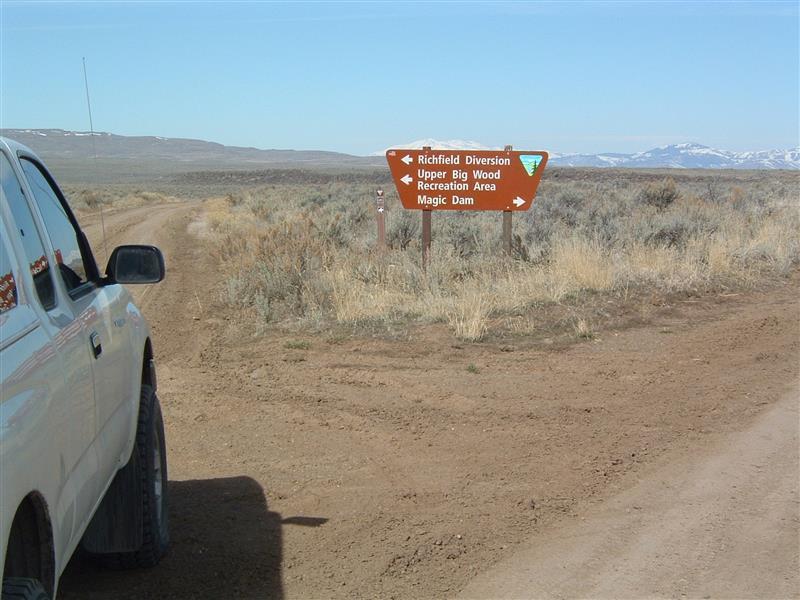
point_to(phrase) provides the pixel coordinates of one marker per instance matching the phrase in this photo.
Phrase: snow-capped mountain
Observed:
(676, 156)
(773, 159)
(697, 156)
(686, 156)
(440, 145)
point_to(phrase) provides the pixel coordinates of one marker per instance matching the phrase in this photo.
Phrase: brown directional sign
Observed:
(466, 179)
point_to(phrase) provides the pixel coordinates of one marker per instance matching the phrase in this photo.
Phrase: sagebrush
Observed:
(307, 252)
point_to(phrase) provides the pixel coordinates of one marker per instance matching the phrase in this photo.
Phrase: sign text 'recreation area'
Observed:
(466, 179)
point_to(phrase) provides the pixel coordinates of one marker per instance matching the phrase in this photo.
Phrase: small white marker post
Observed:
(380, 205)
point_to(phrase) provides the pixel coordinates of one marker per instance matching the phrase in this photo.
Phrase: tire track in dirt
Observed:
(722, 525)
(141, 225)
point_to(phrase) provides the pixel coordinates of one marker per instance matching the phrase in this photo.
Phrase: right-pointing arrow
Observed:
(408, 179)
(519, 201)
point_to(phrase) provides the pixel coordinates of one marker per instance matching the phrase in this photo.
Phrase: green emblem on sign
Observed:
(530, 162)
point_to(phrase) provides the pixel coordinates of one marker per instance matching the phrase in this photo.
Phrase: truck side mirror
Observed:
(136, 264)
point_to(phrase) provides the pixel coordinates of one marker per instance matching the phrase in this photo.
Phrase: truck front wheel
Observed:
(151, 456)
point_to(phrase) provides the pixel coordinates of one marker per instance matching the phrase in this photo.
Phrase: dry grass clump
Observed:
(469, 316)
(307, 252)
(583, 329)
(581, 263)
(660, 194)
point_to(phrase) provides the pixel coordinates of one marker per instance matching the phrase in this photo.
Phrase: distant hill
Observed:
(61, 144)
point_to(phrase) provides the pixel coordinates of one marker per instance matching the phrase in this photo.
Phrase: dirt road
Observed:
(361, 467)
(722, 525)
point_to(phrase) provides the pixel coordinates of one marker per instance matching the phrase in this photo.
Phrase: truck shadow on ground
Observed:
(225, 543)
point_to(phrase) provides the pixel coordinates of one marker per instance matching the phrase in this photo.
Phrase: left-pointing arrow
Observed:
(407, 159)
(407, 179)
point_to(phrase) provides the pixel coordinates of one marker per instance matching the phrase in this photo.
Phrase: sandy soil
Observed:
(365, 467)
(723, 524)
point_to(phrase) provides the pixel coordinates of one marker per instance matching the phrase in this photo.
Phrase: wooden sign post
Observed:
(507, 224)
(427, 217)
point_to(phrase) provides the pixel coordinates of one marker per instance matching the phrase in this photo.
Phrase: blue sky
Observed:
(358, 77)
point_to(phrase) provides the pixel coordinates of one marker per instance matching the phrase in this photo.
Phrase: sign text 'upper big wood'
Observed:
(466, 179)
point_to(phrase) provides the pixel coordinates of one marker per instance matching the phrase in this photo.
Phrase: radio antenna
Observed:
(94, 152)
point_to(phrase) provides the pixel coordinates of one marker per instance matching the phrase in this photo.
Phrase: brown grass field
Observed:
(303, 254)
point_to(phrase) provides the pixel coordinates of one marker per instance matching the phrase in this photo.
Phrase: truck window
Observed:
(62, 233)
(32, 245)
(8, 286)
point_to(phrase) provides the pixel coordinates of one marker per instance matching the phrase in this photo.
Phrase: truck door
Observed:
(102, 311)
(49, 384)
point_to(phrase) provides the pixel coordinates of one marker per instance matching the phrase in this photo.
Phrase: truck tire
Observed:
(21, 588)
(152, 464)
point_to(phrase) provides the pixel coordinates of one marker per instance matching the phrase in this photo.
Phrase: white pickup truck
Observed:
(82, 453)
